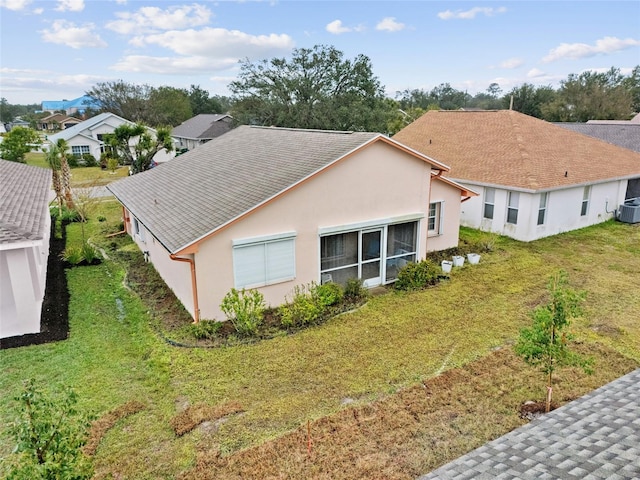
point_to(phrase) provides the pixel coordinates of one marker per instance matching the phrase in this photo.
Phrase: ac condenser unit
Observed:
(629, 211)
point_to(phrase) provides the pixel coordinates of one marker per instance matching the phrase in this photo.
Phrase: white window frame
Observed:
(263, 249)
(513, 202)
(138, 230)
(586, 196)
(489, 199)
(80, 149)
(435, 219)
(542, 208)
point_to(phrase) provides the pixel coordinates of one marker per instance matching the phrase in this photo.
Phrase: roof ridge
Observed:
(311, 130)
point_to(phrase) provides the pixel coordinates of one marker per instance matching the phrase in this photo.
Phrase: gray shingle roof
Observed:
(625, 135)
(189, 197)
(69, 133)
(24, 196)
(204, 126)
(595, 437)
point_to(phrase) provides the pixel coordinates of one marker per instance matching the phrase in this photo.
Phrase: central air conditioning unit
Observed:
(629, 211)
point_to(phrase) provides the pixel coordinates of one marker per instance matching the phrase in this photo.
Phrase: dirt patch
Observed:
(531, 410)
(101, 426)
(54, 319)
(194, 415)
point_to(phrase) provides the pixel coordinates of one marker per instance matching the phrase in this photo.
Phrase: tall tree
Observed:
(449, 98)
(168, 106)
(18, 142)
(126, 100)
(632, 83)
(136, 146)
(316, 88)
(546, 344)
(529, 99)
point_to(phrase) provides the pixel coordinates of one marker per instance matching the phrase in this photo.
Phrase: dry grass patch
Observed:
(101, 426)
(194, 415)
(414, 431)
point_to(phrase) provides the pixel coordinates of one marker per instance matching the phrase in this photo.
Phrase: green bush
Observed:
(302, 307)
(76, 255)
(49, 434)
(354, 290)
(415, 276)
(89, 160)
(73, 255)
(90, 253)
(205, 329)
(244, 309)
(73, 160)
(328, 294)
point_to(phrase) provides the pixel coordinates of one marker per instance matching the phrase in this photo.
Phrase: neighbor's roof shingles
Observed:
(188, 198)
(24, 196)
(511, 149)
(626, 135)
(204, 126)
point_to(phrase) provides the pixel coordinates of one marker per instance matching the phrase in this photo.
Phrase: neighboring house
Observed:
(271, 208)
(88, 136)
(25, 227)
(18, 122)
(616, 132)
(57, 121)
(200, 129)
(77, 105)
(536, 179)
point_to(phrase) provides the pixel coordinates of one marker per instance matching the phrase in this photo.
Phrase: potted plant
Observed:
(458, 260)
(446, 266)
(474, 258)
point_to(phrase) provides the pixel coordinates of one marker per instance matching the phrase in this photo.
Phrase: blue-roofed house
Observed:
(77, 105)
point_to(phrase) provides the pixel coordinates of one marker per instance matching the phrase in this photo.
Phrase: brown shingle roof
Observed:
(508, 148)
(24, 194)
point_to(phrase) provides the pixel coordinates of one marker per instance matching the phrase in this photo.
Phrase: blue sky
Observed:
(58, 49)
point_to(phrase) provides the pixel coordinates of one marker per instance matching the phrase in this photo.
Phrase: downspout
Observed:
(194, 284)
(125, 219)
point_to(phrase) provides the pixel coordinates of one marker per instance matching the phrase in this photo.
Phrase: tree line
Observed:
(319, 88)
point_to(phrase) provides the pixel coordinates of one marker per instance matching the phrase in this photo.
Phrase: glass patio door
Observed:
(370, 257)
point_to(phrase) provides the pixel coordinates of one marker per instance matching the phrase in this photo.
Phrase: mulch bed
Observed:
(54, 320)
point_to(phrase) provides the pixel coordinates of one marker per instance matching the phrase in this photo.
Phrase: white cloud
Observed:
(14, 5)
(67, 33)
(70, 5)
(511, 63)
(337, 28)
(156, 19)
(173, 65)
(38, 11)
(218, 43)
(535, 73)
(603, 46)
(390, 24)
(470, 14)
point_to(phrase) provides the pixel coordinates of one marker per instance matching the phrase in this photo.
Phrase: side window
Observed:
(512, 207)
(489, 202)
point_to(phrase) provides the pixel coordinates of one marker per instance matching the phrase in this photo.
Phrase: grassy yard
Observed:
(359, 365)
(81, 177)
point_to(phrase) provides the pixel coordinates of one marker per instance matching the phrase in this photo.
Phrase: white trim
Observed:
(264, 238)
(370, 224)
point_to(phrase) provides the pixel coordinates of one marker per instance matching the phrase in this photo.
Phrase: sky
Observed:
(59, 49)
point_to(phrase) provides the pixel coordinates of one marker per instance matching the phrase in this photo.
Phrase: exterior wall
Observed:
(23, 274)
(377, 183)
(176, 274)
(449, 235)
(563, 210)
(94, 145)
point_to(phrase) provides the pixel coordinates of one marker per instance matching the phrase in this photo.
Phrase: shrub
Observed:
(244, 309)
(415, 276)
(49, 435)
(89, 160)
(102, 218)
(73, 255)
(354, 290)
(112, 164)
(205, 329)
(76, 255)
(90, 253)
(328, 294)
(302, 308)
(73, 160)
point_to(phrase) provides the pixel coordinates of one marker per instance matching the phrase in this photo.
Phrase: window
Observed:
(260, 262)
(585, 200)
(138, 232)
(489, 202)
(80, 149)
(434, 220)
(374, 255)
(542, 208)
(512, 207)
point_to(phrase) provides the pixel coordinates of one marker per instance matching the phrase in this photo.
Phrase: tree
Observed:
(136, 145)
(18, 142)
(632, 83)
(57, 160)
(316, 88)
(546, 343)
(49, 433)
(168, 106)
(201, 102)
(126, 100)
(529, 99)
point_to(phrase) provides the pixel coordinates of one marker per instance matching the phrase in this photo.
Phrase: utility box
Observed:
(629, 211)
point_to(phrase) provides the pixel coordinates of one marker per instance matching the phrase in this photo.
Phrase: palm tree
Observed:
(65, 172)
(53, 159)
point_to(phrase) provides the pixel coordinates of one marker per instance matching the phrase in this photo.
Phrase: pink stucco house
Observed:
(270, 208)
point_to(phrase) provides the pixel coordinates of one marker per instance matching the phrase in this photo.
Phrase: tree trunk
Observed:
(66, 182)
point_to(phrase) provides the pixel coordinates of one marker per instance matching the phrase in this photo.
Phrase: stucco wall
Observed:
(563, 210)
(449, 236)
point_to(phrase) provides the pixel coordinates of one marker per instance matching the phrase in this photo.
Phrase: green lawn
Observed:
(82, 177)
(392, 343)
